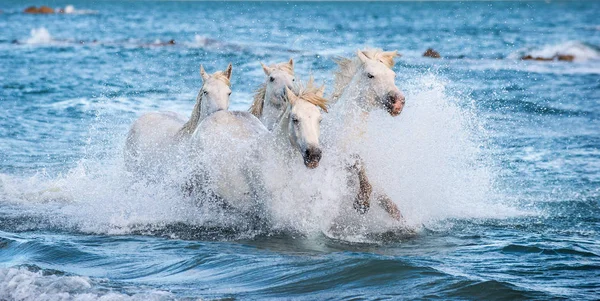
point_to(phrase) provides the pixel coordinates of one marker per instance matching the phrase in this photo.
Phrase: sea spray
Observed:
(39, 36)
(428, 160)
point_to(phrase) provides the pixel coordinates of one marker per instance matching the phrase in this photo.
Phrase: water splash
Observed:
(429, 161)
(33, 283)
(39, 36)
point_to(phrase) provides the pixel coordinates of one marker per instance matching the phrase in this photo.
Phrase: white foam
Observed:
(39, 36)
(430, 161)
(579, 50)
(69, 9)
(22, 284)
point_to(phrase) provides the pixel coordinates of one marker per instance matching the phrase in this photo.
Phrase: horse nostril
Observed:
(313, 154)
(401, 99)
(391, 98)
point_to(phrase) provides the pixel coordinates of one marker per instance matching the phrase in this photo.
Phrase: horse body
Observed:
(150, 136)
(155, 135)
(229, 153)
(362, 84)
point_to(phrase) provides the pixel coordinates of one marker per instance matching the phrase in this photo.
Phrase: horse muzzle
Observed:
(394, 103)
(312, 156)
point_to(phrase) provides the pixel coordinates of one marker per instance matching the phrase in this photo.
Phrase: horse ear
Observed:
(203, 73)
(361, 55)
(391, 54)
(321, 91)
(291, 63)
(290, 95)
(228, 71)
(266, 69)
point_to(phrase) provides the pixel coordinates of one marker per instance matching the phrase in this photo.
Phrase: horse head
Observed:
(215, 91)
(303, 122)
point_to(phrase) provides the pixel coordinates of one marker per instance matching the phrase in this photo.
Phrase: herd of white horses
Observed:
(284, 112)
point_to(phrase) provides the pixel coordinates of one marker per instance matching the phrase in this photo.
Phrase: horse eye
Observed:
(229, 93)
(205, 92)
(295, 120)
(369, 75)
(293, 79)
(272, 79)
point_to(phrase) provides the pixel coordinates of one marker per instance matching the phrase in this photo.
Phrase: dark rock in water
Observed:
(41, 10)
(565, 57)
(31, 10)
(432, 54)
(535, 58)
(45, 10)
(558, 57)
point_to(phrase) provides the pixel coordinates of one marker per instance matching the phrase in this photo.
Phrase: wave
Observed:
(39, 36)
(580, 51)
(515, 248)
(70, 9)
(33, 283)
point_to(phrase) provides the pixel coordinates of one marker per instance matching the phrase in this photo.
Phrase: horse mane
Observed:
(190, 126)
(258, 103)
(310, 93)
(259, 100)
(347, 68)
(220, 75)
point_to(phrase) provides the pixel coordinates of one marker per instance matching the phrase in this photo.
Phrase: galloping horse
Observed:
(154, 134)
(362, 84)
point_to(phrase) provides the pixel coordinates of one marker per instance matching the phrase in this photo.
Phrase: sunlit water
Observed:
(494, 162)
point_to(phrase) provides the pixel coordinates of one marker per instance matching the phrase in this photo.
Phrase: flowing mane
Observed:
(311, 94)
(348, 67)
(259, 95)
(222, 76)
(190, 126)
(259, 99)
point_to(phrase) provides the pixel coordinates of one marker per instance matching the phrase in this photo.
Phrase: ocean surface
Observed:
(494, 162)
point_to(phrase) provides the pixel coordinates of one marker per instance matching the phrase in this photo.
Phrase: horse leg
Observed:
(388, 205)
(362, 201)
(199, 187)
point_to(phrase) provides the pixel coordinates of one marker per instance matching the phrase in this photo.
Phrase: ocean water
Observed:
(494, 162)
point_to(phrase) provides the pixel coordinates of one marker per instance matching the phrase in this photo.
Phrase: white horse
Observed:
(300, 122)
(233, 146)
(362, 84)
(268, 100)
(153, 134)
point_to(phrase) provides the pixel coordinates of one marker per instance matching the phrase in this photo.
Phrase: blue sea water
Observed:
(495, 161)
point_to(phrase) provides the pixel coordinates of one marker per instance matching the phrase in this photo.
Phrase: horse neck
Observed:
(190, 126)
(352, 114)
(270, 113)
(282, 130)
(354, 101)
